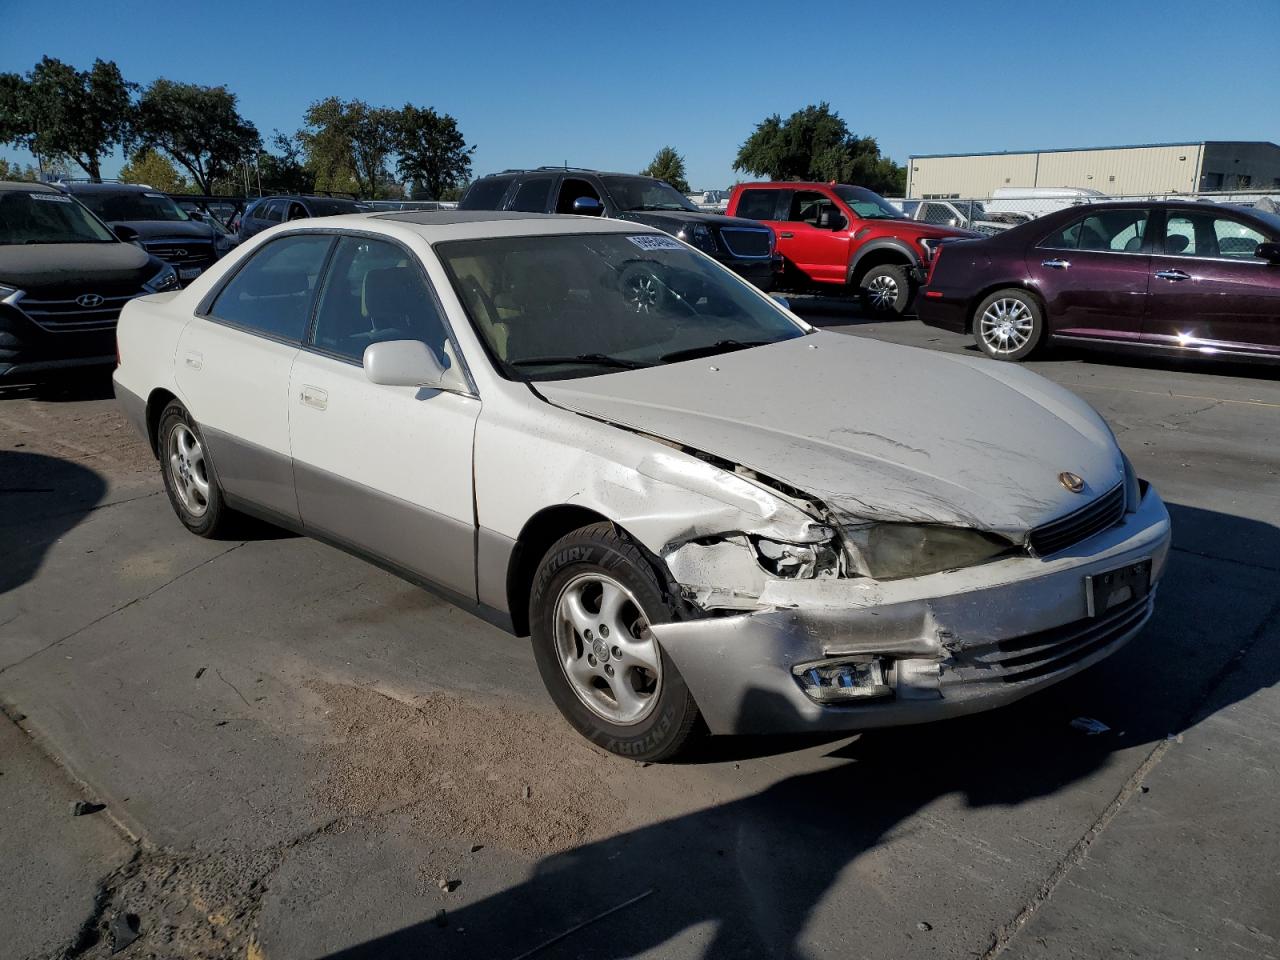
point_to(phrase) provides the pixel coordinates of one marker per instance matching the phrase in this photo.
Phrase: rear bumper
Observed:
(942, 312)
(26, 348)
(952, 643)
(134, 406)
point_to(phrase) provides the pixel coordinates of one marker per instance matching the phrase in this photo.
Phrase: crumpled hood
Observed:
(874, 430)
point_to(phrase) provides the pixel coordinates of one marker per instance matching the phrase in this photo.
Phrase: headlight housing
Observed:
(797, 561)
(166, 279)
(698, 235)
(1132, 487)
(895, 551)
(6, 291)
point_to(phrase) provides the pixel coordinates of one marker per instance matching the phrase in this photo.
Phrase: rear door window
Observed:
(758, 204)
(1105, 231)
(486, 194)
(273, 212)
(1206, 235)
(273, 292)
(532, 195)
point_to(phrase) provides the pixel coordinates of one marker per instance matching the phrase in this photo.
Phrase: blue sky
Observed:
(606, 84)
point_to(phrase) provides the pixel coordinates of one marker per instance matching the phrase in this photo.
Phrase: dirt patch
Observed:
(471, 770)
(187, 906)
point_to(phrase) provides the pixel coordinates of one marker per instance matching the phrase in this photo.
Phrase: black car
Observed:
(155, 221)
(269, 211)
(64, 277)
(744, 246)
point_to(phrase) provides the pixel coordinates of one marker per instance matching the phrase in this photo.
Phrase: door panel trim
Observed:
(401, 533)
(249, 472)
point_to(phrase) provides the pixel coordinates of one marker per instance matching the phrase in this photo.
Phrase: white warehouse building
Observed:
(1206, 166)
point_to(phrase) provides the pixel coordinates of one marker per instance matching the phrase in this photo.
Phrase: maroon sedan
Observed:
(1171, 276)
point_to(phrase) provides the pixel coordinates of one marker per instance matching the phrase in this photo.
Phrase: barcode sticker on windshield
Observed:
(52, 197)
(649, 241)
(154, 196)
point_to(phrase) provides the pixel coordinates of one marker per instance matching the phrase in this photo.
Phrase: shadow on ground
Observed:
(755, 870)
(41, 498)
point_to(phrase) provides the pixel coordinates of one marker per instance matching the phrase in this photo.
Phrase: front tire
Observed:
(189, 479)
(1009, 325)
(886, 289)
(594, 596)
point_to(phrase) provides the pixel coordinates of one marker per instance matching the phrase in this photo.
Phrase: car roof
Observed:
(436, 226)
(569, 171)
(81, 187)
(15, 186)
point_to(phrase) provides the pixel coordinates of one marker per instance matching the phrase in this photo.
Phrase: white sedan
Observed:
(705, 513)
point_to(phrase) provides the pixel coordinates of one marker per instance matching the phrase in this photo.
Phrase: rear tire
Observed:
(886, 289)
(189, 478)
(1009, 325)
(594, 595)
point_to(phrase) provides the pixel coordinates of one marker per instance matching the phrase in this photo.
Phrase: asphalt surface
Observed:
(303, 757)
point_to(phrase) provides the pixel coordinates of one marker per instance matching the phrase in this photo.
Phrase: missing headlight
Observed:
(895, 551)
(797, 561)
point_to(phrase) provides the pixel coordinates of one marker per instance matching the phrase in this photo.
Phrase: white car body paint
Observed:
(784, 442)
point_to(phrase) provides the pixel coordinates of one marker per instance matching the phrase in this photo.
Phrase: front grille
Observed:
(745, 241)
(69, 315)
(195, 253)
(1035, 655)
(1079, 525)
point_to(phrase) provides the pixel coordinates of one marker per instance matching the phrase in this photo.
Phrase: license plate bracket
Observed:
(1112, 588)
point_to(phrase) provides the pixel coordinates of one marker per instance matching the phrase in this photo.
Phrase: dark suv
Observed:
(155, 221)
(269, 211)
(743, 246)
(64, 277)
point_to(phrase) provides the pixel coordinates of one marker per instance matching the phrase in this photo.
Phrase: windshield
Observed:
(113, 207)
(48, 218)
(558, 307)
(867, 205)
(641, 193)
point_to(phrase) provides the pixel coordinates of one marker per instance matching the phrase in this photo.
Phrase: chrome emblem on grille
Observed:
(89, 300)
(179, 252)
(1071, 482)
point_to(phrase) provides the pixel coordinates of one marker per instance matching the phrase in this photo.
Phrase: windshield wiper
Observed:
(709, 349)
(597, 359)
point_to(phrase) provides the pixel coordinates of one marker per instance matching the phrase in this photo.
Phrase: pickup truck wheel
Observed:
(593, 599)
(188, 473)
(1009, 325)
(886, 289)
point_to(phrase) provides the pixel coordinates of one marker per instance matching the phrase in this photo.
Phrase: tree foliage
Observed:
(156, 170)
(815, 144)
(62, 113)
(669, 166)
(283, 171)
(14, 171)
(347, 143)
(199, 127)
(432, 151)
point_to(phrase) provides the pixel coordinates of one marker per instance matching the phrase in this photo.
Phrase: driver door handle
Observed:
(314, 397)
(1056, 264)
(1173, 275)
(786, 236)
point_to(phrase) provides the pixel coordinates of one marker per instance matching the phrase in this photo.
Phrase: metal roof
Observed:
(1124, 146)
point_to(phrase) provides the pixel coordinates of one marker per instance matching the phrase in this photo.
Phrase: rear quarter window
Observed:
(758, 204)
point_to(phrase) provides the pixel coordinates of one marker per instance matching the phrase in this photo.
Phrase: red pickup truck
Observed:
(834, 234)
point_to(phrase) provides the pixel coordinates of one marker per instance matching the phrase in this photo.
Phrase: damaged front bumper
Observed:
(946, 644)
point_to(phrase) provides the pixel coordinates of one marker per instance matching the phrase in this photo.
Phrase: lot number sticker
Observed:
(648, 241)
(50, 197)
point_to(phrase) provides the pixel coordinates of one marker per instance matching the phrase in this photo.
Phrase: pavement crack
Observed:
(1252, 565)
(233, 687)
(1005, 933)
(120, 609)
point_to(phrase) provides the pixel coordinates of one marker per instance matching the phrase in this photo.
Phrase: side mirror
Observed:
(831, 219)
(588, 207)
(127, 234)
(407, 363)
(781, 301)
(1269, 252)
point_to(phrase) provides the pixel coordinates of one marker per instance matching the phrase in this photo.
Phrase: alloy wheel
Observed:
(606, 650)
(882, 292)
(187, 470)
(1007, 325)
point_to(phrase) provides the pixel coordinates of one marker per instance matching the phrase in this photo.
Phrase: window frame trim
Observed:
(1147, 243)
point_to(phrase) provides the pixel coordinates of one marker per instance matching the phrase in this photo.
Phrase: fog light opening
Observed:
(843, 679)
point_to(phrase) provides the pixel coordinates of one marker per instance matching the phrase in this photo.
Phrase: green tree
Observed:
(432, 151)
(815, 144)
(60, 112)
(13, 171)
(669, 166)
(155, 170)
(348, 140)
(199, 127)
(283, 170)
